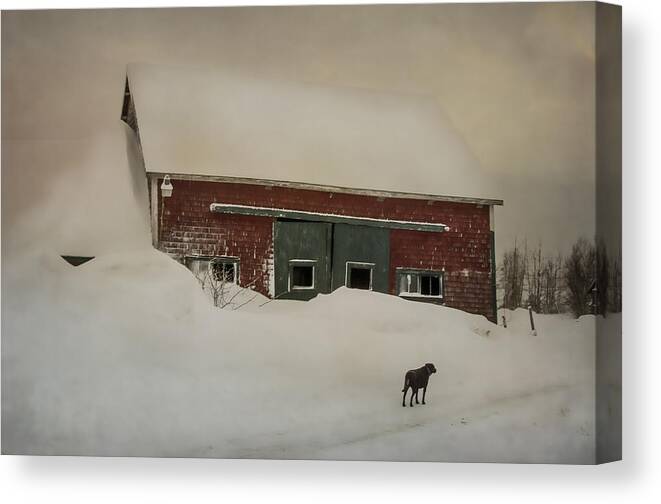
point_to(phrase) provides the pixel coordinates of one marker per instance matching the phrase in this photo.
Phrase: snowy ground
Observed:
(125, 355)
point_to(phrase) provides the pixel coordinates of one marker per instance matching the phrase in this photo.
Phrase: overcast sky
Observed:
(517, 81)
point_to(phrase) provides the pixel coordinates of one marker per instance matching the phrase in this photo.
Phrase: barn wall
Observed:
(190, 228)
(464, 253)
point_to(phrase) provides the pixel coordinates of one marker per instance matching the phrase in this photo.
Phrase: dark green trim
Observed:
(361, 244)
(335, 219)
(301, 241)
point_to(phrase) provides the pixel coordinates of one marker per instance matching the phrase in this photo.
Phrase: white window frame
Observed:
(420, 273)
(361, 265)
(302, 262)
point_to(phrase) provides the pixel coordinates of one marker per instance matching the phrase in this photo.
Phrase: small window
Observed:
(301, 274)
(430, 285)
(302, 277)
(220, 269)
(224, 271)
(422, 283)
(359, 275)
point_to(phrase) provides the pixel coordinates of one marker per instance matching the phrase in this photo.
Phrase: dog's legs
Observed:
(412, 394)
(416, 396)
(424, 393)
(404, 398)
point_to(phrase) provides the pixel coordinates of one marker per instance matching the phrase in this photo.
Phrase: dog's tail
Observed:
(406, 384)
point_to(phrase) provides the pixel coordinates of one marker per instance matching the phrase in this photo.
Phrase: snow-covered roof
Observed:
(217, 123)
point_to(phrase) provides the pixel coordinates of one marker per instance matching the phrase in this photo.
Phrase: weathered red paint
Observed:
(188, 227)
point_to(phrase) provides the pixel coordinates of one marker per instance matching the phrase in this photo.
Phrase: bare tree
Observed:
(552, 287)
(579, 275)
(214, 281)
(534, 280)
(543, 281)
(587, 281)
(512, 276)
(219, 282)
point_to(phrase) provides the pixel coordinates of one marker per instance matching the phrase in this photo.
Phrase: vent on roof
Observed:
(77, 260)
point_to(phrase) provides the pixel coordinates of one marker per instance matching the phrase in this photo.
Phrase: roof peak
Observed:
(218, 121)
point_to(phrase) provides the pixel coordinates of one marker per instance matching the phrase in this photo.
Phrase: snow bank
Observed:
(125, 355)
(96, 202)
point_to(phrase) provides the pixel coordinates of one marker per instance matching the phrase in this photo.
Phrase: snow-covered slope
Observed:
(96, 202)
(125, 355)
(213, 121)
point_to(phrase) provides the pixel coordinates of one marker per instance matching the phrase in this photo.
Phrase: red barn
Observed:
(296, 189)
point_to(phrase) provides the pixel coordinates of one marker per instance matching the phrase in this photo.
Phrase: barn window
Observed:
(225, 270)
(359, 275)
(419, 283)
(301, 274)
(430, 285)
(220, 269)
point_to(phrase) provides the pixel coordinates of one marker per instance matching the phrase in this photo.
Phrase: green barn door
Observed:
(361, 257)
(302, 259)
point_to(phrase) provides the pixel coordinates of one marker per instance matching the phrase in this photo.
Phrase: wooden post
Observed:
(532, 322)
(504, 321)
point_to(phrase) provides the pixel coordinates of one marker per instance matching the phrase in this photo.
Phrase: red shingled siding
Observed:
(190, 228)
(464, 253)
(464, 256)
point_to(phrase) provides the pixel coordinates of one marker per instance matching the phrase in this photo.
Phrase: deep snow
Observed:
(125, 355)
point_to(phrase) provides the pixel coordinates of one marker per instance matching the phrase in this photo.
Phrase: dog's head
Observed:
(430, 368)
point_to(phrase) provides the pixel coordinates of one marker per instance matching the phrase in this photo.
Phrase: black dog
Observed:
(417, 379)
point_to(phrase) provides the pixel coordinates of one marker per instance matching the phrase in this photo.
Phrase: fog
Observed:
(516, 81)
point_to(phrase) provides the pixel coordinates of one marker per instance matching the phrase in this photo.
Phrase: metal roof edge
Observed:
(329, 188)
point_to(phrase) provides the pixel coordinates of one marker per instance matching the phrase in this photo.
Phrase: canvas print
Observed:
(369, 232)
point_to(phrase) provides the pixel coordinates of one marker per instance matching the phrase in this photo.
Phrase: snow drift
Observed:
(87, 195)
(125, 355)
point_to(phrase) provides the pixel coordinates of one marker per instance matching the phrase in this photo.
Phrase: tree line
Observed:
(585, 281)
